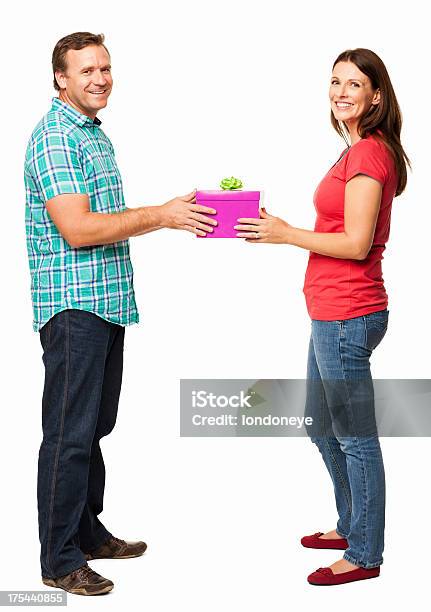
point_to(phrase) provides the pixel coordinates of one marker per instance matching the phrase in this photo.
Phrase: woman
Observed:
(347, 303)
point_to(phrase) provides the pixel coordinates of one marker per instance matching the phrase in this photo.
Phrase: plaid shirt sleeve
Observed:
(56, 165)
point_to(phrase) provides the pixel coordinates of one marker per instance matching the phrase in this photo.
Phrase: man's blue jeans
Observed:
(83, 358)
(340, 399)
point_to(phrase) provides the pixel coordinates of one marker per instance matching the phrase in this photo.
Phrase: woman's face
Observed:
(351, 93)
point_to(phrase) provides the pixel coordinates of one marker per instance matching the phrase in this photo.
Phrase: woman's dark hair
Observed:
(383, 120)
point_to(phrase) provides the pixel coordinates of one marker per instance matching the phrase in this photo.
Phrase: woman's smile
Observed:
(351, 95)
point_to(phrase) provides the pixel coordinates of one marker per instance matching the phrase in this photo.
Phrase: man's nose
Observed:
(99, 78)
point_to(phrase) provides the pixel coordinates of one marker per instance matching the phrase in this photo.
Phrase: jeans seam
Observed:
(322, 410)
(57, 453)
(340, 475)
(366, 332)
(365, 500)
(333, 459)
(363, 538)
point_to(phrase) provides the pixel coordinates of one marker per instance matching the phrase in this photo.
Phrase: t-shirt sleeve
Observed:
(56, 165)
(366, 157)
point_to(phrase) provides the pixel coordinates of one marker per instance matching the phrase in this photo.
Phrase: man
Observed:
(77, 228)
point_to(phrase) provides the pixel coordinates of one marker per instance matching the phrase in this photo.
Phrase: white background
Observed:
(203, 90)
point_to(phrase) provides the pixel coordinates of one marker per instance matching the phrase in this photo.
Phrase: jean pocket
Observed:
(376, 325)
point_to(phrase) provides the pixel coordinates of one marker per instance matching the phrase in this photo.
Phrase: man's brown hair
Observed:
(75, 41)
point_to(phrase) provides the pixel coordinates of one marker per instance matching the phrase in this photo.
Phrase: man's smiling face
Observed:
(87, 81)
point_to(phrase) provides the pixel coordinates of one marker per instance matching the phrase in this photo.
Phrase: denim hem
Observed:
(107, 536)
(340, 534)
(67, 570)
(364, 565)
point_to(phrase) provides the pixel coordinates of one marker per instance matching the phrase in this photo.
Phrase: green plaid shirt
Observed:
(69, 153)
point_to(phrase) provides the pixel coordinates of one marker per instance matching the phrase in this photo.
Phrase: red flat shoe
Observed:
(313, 541)
(324, 576)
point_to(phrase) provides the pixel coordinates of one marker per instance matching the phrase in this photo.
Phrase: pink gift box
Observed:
(230, 206)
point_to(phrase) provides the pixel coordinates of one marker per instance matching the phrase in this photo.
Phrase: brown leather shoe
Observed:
(82, 581)
(117, 549)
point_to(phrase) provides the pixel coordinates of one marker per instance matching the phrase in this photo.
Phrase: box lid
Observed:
(227, 194)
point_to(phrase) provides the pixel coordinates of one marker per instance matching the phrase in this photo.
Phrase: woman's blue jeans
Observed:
(340, 400)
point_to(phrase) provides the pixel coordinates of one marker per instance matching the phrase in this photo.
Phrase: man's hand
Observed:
(183, 213)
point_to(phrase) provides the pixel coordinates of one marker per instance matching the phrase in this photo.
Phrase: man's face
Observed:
(87, 82)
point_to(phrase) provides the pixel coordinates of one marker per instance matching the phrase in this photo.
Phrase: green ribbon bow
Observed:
(231, 183)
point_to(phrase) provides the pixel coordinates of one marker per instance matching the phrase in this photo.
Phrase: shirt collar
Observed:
(74, 115)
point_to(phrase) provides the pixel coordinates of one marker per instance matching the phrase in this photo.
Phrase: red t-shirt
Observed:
(336, 288)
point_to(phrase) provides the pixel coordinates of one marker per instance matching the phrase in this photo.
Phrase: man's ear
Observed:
(60, 77)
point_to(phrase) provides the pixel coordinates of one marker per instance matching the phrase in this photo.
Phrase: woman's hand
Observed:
(266, 229)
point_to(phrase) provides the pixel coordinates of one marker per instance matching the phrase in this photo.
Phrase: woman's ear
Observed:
(376, 99)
